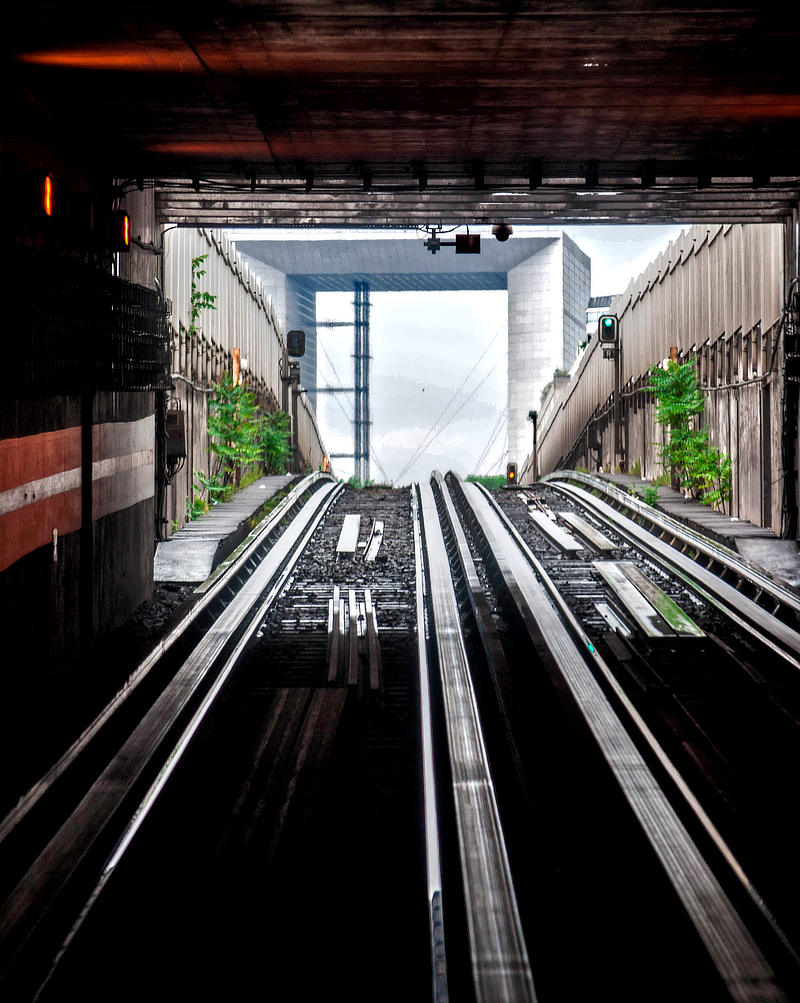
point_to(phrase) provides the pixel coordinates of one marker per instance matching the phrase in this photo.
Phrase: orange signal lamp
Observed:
(47, 195)
(119, 231)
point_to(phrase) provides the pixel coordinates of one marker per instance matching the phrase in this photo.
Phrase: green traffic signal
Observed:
(608, 328)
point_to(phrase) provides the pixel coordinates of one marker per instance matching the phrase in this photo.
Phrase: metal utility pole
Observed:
(534, 417)
(290, 382)
(361, 361)
(360, 388)
(618, 447)
(608, 333)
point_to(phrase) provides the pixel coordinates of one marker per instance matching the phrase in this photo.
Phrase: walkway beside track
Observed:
(191, 554)
(757, 544)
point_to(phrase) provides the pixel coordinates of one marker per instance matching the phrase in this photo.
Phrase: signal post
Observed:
(608, 334)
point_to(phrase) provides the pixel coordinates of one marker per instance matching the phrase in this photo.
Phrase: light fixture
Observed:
(119, 230)
(465, 243)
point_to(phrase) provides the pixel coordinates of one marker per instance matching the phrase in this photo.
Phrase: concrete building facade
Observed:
(547, 276)
(548, 294)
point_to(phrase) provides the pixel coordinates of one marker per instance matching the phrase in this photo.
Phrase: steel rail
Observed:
(506, 693)
(733, 604)
(432, 847)
(501, 970)
(652, 743)
(739, 961)
(102, 825)
(761, 582)
(209, 591)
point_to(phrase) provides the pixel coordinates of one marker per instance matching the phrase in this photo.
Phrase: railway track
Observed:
(429, 744)
(724, 700)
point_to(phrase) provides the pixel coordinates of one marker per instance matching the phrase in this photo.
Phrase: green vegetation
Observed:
(241, 436)
(276, 450)
(649, 494)
(359, 485)
(488, 481)
(246, 440)
(235, 429)
(546, 387)
(694, 464)
(200, 300)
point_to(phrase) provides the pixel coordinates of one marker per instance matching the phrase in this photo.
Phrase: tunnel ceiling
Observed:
(322, 112)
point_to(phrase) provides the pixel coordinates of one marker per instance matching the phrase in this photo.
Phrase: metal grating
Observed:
(74, 328)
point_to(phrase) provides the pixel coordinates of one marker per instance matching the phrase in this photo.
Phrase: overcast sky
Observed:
(438, 375)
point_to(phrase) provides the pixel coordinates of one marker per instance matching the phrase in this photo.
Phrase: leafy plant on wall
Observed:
(694, 463)
(200, 299)
(235, 428)
(276, 450)
(241, 433)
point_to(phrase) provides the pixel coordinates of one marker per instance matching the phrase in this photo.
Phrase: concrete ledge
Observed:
(196, 549)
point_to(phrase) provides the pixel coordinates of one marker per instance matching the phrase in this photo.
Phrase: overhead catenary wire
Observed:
(491, 441)
(498, 468)
(431, 438)
(433, 432)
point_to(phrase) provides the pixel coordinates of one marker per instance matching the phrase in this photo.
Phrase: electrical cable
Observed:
(432, 431)
(491, 441)
(503, 453)
(446, 425)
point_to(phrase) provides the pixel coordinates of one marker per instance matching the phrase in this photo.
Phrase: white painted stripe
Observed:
(122, 490)
(69, 480)
(34, 491)
(119, 464)
(116, 438)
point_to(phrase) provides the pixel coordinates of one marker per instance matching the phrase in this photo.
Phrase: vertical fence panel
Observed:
(715, 293)
(243, 319)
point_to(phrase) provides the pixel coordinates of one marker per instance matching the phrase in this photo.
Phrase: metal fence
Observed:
(715, 294)
(242, 324)
(73, 327)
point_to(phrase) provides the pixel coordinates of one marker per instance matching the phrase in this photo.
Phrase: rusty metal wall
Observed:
(243, 319)
(717, 295)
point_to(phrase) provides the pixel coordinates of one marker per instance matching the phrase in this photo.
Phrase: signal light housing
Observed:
(296, 343)
(119, 231)
(468, 243)
(511, 474)
(37, 202)
(608, 329)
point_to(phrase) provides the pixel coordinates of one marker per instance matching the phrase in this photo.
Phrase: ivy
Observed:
(695, 465)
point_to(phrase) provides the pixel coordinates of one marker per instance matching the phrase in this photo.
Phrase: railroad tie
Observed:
(373, 644)
(353, 627)
(348, 537)
(352, 662)
(335, 634)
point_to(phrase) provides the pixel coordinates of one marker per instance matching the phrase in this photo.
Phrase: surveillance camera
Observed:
(502, 231)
